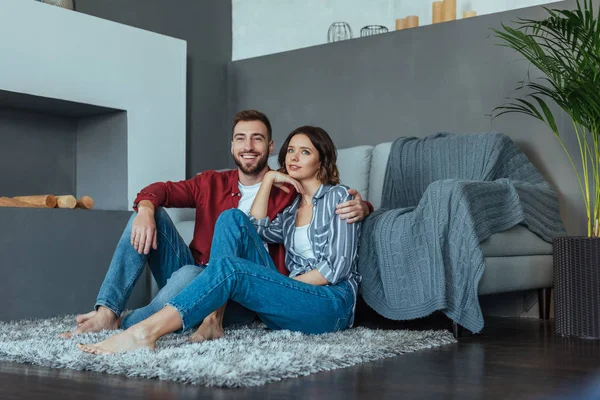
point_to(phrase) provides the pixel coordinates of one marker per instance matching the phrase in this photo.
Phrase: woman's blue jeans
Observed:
(172, 266)
(242, 270)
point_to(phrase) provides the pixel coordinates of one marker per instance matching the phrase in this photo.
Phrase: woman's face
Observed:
(302, 159)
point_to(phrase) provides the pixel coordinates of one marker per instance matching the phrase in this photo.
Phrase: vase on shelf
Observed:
(400, 24)
(371, 30)
(449, 10)
(412, 21)
(437, 13)
(339, 31)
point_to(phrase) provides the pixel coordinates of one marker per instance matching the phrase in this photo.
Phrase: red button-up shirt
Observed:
(211, 193)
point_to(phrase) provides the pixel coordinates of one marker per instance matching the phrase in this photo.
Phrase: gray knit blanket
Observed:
(442, 196)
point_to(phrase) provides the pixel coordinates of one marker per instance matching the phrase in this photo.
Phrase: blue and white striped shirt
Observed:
(334, 242)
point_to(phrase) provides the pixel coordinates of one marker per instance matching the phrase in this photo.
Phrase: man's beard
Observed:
(253, 169)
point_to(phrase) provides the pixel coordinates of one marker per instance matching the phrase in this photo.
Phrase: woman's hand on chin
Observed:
(279, 179)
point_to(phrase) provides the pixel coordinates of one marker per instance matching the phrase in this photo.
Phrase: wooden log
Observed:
(85, 202)
(412, 21)
(449, 10)
(66, 201)
(41, 201)
(437, 12)
(8, 202)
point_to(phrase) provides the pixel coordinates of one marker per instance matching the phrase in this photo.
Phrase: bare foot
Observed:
(209, 330)
(94, 321)
(84, 317)
(132, 339)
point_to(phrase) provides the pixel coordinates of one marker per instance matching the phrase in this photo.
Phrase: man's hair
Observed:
(328, 173)
(252, 115)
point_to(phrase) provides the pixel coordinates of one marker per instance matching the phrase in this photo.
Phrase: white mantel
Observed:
(52, 52)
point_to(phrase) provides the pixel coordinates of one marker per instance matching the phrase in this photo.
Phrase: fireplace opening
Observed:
(58, 147)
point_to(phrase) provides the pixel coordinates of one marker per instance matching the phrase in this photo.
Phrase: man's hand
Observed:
(312, 277)
(354, 210)
(143, 230)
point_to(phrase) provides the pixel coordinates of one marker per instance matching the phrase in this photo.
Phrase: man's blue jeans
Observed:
(242, 270)
(172, 266)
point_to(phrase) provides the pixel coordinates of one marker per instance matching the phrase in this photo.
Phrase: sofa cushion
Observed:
(186, 230)
(181, 214)
(380, 156)
(516, 241)
(511, 274)
(354, 166)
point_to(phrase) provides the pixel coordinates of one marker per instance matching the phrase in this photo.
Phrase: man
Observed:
(151, 237)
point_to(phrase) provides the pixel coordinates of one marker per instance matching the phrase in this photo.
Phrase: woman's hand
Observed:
(278, 179)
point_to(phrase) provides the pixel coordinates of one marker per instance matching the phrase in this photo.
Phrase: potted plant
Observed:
(565, 48)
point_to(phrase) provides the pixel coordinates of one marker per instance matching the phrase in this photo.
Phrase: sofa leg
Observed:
(459, 332)
(455, 330)
(544, 296)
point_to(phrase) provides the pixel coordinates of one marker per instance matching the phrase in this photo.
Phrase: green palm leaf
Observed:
(565, 48)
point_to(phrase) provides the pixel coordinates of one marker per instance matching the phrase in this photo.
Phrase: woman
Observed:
(320, 293)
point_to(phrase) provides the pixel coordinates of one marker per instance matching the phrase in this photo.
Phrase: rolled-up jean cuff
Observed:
(109, 306)
(185, 324)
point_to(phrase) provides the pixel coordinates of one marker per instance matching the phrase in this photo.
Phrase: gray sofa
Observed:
(515, 260)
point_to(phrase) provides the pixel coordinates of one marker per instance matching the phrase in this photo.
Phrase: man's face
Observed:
(250, 146)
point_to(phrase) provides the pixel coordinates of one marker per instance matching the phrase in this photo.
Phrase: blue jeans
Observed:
(172, 266)
(241, 270)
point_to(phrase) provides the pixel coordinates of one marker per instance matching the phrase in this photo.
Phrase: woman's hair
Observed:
(328, 173)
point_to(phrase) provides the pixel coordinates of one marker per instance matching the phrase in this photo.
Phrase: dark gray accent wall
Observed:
(54, 261)
(37, 153)
(416, 82)
(102, 160)
(206, 26)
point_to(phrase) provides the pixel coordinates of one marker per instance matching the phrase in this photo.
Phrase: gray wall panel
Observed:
(444, 77)
(107, 65)
(102, 160)
(206, 26)
(53, 261)
(37, 153)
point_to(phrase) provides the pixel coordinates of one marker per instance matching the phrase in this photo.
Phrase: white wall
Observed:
(52, 52)
(270, 26)
(423, 8)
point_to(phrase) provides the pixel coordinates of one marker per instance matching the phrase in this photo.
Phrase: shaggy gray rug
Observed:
(249, 356)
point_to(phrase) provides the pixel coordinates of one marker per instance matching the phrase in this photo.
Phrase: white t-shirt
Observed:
(301, 242)
(248, 195)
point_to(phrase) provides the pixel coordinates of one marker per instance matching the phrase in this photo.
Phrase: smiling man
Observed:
(151, 237)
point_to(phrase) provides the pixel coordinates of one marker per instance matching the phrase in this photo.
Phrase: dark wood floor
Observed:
(511, 359)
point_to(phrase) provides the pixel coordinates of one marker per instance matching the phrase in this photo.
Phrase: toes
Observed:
(76, 331)
(65, 335)
(86, 348)
(196, 338)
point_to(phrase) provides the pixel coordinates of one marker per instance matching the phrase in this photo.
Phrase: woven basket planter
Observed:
(577, 286)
